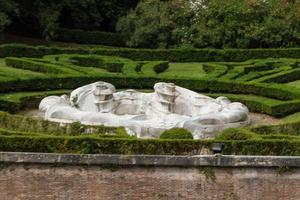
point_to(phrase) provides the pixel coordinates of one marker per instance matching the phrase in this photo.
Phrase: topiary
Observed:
(237, 134)
(161, 67)
(138, 67)
(114, 66)
(176, 133)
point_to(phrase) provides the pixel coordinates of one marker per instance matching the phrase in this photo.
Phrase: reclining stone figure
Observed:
(146, 115)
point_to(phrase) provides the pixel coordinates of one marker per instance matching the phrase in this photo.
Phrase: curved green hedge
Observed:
(171, 55)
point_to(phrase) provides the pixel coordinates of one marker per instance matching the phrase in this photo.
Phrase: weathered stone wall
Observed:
(22, 178)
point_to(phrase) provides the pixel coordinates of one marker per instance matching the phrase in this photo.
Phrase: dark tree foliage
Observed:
(211, 23)
(249, 24)
(43, 17)
(7, 9)
(156, 23)
(162, 23)
(94, 14)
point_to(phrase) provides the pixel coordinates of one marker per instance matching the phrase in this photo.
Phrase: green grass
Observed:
(194, 70)
(295, 84)
(185, 70)
(176, 70)
(18, 96)
(249, 97)
(292, 118)
(10, 73)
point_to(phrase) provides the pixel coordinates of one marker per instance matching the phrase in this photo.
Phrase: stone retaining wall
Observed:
(36, 176)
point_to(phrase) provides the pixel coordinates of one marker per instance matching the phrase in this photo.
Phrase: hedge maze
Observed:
(265, 85)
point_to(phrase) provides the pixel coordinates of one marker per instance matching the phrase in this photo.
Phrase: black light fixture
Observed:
(217, 148)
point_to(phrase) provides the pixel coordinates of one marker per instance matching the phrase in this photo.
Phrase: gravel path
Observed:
(262, 119)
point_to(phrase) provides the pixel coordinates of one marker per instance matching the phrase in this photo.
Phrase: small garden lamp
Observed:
(217, 148)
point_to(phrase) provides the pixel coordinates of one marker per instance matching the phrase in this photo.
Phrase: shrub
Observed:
(114, 66)
(176, 133)
(76, 128)
(161, 67)
(138, 67)
(236, 134)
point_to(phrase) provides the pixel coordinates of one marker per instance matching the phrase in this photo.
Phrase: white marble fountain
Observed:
(146, 115)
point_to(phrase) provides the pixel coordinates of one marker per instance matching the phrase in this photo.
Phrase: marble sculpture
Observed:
(146, 115)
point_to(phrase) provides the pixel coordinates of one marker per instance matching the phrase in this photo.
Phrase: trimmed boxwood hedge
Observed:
(171, 55)
(275, 91)
(237, 134)
(33, 135)
(288, 128)
(284, 77)
(94, 145)
(161, 67)
(28, 124)
(32, 65)
(176, 134)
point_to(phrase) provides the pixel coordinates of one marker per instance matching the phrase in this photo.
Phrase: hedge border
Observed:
(92, 145)
(171, 55)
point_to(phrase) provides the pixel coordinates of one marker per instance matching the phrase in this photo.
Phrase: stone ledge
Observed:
(150, 160)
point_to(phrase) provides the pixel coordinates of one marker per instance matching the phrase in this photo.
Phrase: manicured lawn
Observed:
(294, 84)
(10, 73)
(185, 70)
(292, 118)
